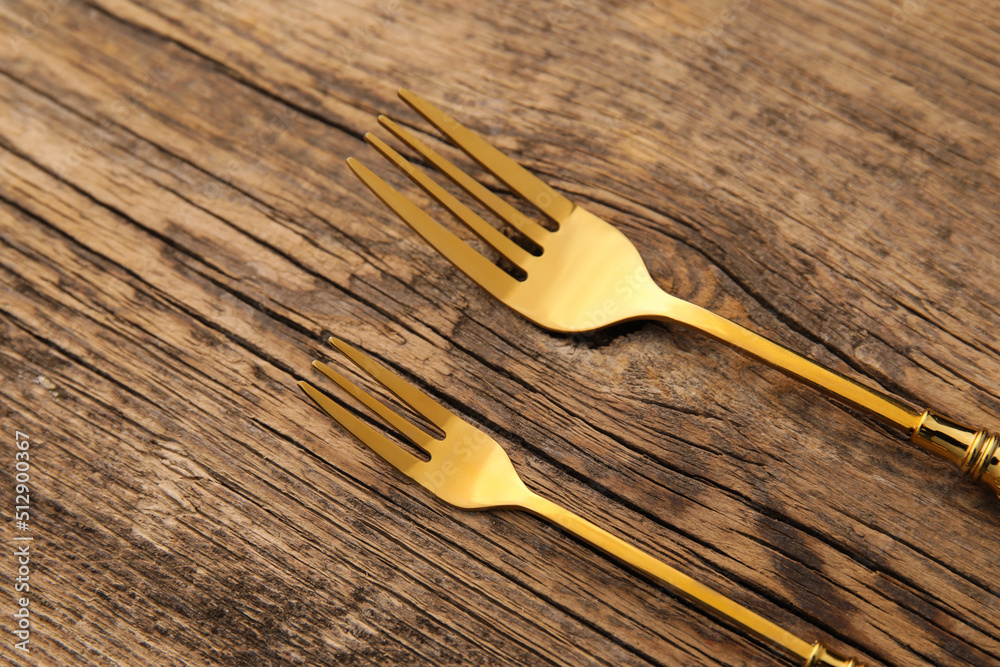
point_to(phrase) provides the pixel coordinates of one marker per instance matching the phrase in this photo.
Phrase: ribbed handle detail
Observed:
(822, 657)
(976, 452)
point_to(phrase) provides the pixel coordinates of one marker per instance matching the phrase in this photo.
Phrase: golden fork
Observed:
(589, 275)
(469, 469)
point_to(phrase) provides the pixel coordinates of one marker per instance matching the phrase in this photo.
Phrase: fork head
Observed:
(587, 274)
(467, 467)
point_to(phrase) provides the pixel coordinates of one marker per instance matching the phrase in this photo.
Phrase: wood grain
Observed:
(179, 233)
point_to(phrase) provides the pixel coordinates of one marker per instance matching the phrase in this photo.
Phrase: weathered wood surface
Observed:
(180, 234)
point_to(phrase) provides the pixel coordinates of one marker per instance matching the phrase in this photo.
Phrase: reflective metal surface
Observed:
(589, 275)
(469, 469)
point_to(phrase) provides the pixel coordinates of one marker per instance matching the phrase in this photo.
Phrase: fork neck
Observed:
(975, 451)
(887, 409)
(814, 654)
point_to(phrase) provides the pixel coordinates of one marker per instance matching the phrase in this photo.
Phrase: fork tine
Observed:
(550, 202)
(412, 433)
(486, 231)
(405, 462)
(477, 190)
(491, 277)
(421, 403)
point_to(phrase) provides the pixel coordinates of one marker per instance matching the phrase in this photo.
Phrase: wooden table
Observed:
(179, 234)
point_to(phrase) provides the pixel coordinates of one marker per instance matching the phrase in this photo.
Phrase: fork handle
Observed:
(814, 654)
(975, 451)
